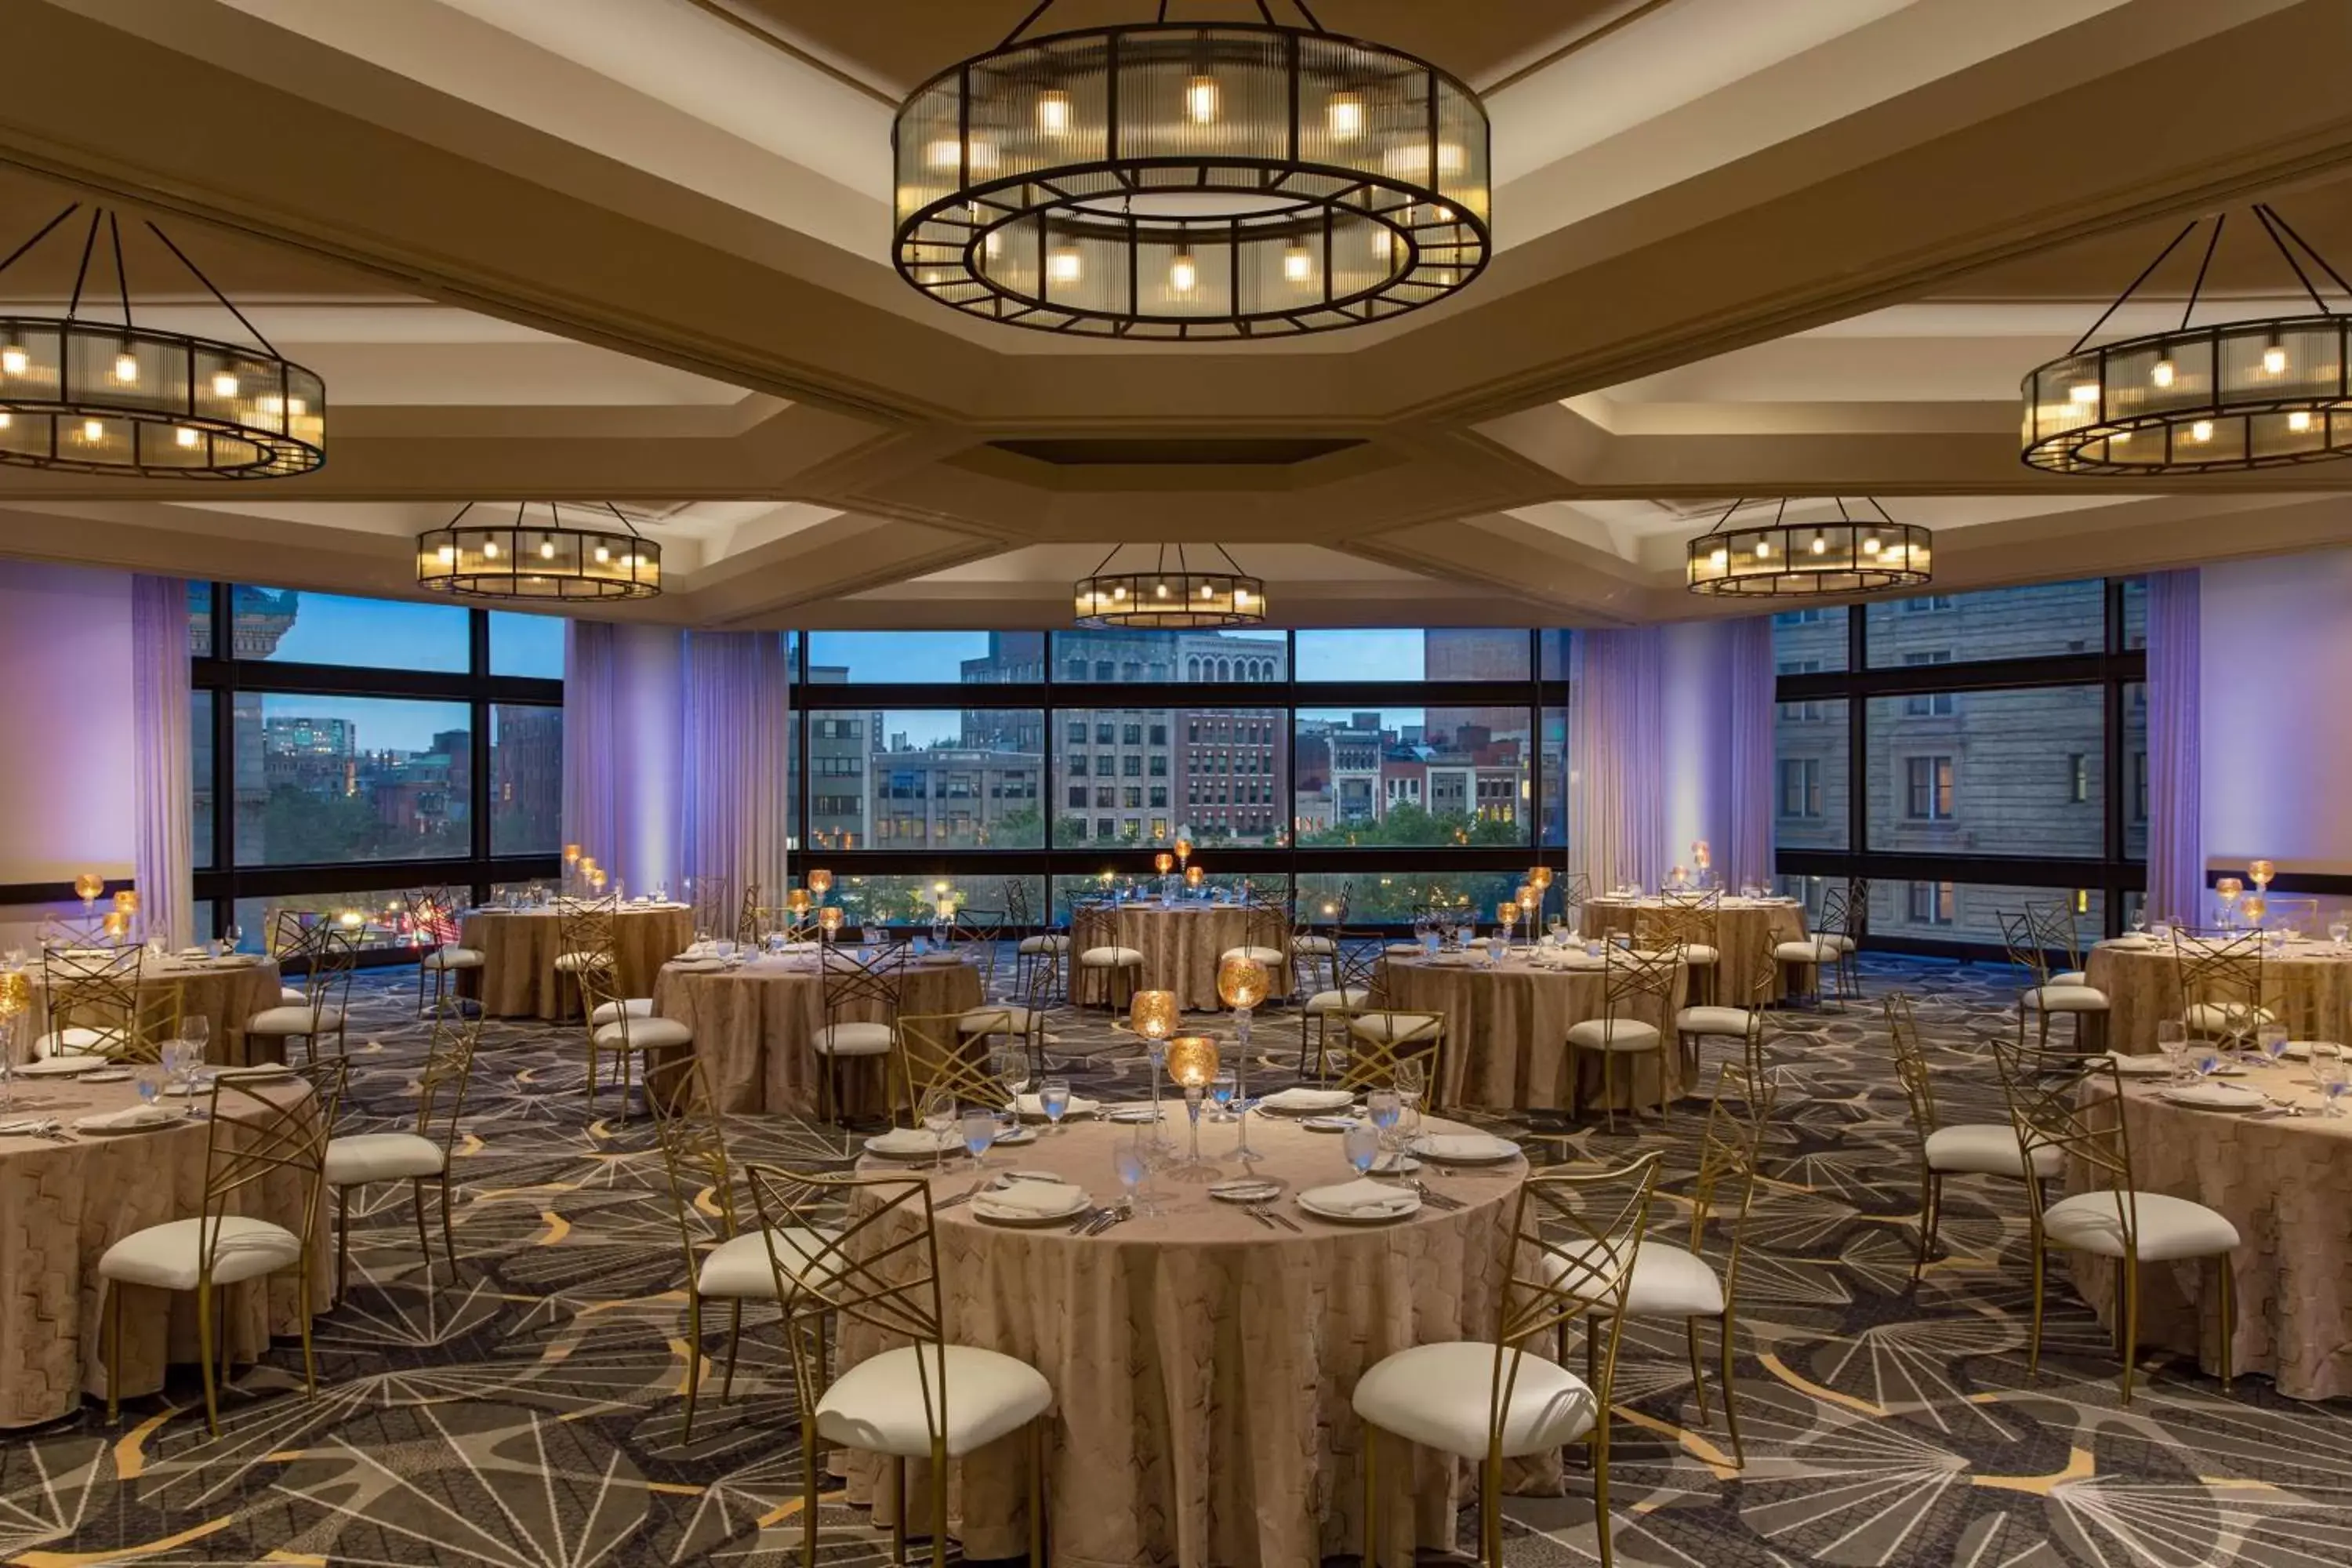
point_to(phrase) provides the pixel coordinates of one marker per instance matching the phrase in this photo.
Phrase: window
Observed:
(840, 729)
(1931, 904)
(906, 657)
(1800, 788)
(2042, 620)
(1920, 607)
(1413, 777)
(1929, 789)
(526, 780)
(526, 645)
(1435, 653)
(2139, 791)
(2078, 777)
(1815, 735)
(1929, 705)
(288, 626)
(1812, 638)
(345, 779)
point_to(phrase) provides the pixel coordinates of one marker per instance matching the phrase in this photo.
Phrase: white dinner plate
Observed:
(697, 965)
(119, 1121)
(986, 1207)
(1406, 1205)
(2130, 1065)
(2300, 1050)
(914, 1143)
(1305, 1101)
(2216, 1097)
(1464, 1148)
(59, 1067)
(1247, 1189)
(1327, 1123)
(106, 1074)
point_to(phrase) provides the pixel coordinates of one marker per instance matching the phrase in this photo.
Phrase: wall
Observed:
(67, 800)
(2276, 721)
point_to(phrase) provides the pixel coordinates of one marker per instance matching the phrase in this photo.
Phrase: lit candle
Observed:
(1194, 876)
(1529, 898)
(1191, 1061)
(829, 918)
(1153, 1014)
(1163, 862)
(820, 883)
(117, 924)
(127, 901)
(2262, 871)
(1242, 981)
(1507, 910)
(571, 854)
(1541, 877)
(797, 901)
(1701, 856)
(596, 880)
(87, 886)
(1183, 849)
(945, 908)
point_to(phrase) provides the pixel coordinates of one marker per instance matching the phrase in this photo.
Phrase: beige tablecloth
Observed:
(1202, 1364)
(2282, 1181)
(1506, 1035)
(519, 948)
(1739, 925)
(62, 1205)
(1181, 946)
(224, 994)
(2310, 990)
(753, 1028)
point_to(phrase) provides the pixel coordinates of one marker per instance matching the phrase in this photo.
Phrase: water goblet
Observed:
(1386, 1108)
(2173, 1044)
(1053, 1098)
(2270, 1040)
(2333, 1076)
(2207, 1058)
(150, 1078)
(978, 1134)
(232, 937)
(2339, 932)
(1361, 1144)
(196, 1033)
(1130, 1161)
(1220, 1095)
(937, 1114)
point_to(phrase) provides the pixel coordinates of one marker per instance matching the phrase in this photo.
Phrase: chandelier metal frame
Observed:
(83, 396)
(1784, 559)
(1092, 182)
(2258, 393)
(528, 560)
(1160, 600)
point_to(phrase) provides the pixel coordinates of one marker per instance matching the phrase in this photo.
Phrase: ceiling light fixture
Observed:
(2252, 394)
(1302, 181)
(1781, 559)
(1163, 599)
(486, 561)
(113, 398)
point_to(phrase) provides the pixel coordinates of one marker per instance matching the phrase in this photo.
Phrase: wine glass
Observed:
(195, 1034)
(2339, 931)
(1054, 1097)
(1130, 1160)
(1385, 1107)
(2173, 1042)
(978, 1134)
(2270, 1039)
(2207, 1058)
(1220, 1095)
(2333, 1076)
(232, 937)
(1361, 1144)
(937, 1114)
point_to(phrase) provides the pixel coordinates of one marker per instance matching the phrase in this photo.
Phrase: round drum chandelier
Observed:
(527, 558)
(1782, 560)
(2252, 394)
(1165, 181)
(95, 396)
(1158, 599)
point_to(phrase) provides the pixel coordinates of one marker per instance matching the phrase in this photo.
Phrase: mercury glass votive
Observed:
(1183, 849)
(1192, 1064)
(829, 918)
(1194, 877)
(820, 883)
(87, 888)
(797, 901)
(1153, 1014)
(1242, 981)
(2260, 873)
(117, 925)
(127, 901)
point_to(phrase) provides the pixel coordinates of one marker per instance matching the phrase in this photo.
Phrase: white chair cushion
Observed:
(2222, 1017)
(1048, 942)
(1699, 955)
(2056, 998)
(613, 1012)
(878, 1405)
(1442, 1396)
(998, 1021)
(287, 997)
(2070, 977)
(573, 962)
(1806, 951)
(737, 1270)
(74, 1040)
(1614, 1035)
(1332, 1001)
(168, 1256)
(1834, 941)
(1315, 944)
(1667, 1282)
(1110, 957)
(644, 1034)
(451, 958)
(1263, 954)
(2169, 1227)
(295, 1021)
(1391, 1027)
(381, 1157)
(855, 1040)
(1987, 1149)
(1713, 1021)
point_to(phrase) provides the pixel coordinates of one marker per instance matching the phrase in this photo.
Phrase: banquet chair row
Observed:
(435, 931)
(2029, 936)
(322, 955)
(1833, 947)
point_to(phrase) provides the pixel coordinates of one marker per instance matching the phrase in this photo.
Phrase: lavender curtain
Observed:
(163, 853)
(1745, 854)
(2176, 826)
(1617, 758)
(593, 752)
(738, 704)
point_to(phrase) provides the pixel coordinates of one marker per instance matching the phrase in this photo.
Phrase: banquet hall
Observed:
(1208, 783)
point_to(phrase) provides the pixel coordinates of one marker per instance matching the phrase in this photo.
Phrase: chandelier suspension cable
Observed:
(2275, 224)
(2197, 284)
(198, 274)
(2133, 288)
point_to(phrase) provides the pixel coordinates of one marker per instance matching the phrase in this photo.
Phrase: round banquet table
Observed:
(1203, 1362)
(2281, 1180)
(519, 947)
(1742, 929)
(1181, 944)
(224, 993)
(2309, 989)
(754, 1026)
(62, 1204)
(1506, 1033)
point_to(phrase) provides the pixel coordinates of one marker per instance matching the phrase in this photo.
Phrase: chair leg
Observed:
(1490, 1512)
(342, 1243)
(898, 1522)
(734, 1340)
(2228, 1318)
(448, 1241)
(205, 1353)
(1372, 1495)
(2033, 1338)
(808, 1485)
(1037, 1494)
(2130, 1306)
(424, 1246)
(113, 1311)
(1699, 1376)
(694, 1362)
(1600, 1487)
(1730, 1394)
(310, 1362)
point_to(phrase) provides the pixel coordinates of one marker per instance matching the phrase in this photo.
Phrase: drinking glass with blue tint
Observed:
(2208, 1059)
(978, 1134)
(150, 1083)
(2333, 1076)
(1385, 1106)
(1220, 1095)
(2339, 932)
(1130, 1159)
(1054, 1099)
(1361, 1144)
(2272, 1040)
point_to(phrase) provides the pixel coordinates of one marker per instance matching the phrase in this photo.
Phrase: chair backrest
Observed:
(1911, 1067)
(692, 1133)
(932, 1053)
(850, 985)
(1635, 982)
(1402, 1037)
(1574, 1237)
(1727, 1152)
(1837, 914)
(448, 1070)
(432, 919)
(2023, 937)
(2074, 1104)
(588, 925)
(2220, 969)
(2057, 930)
(1017, 913)
(254, 1136)
(94, 990)
(710, 898)
(328, 954)
(1686, 917)
(1267, 926)
(1356, 959)
(978, 932)
(874, 1260)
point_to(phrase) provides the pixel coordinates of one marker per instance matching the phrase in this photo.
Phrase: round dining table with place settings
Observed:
(518, 979)
(224, 991)
(1202, 1359)
(1507, 1032)
(1743, 929)
(2307, 986)
(755, 1023)
(67, 1195)
(1180, 944)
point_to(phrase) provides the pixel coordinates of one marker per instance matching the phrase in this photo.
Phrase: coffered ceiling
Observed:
(637, 250)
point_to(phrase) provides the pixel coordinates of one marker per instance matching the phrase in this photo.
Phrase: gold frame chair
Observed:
(587, 932)
(1974, 1149)
(1764, 975)
(1355, 959)
(1268, 927)
(448, 1063)
(1693, 920)
(2220, 974)
(94, 994)
(241, 1150)
(433, 917)
(933, 1050)
(860, 1273)
(1629, 978)
(710, 901)
(2026, 939)
(2075, 1106)
(1023, 1020)
(1381, 1038)
(1584, 1277)
(638, 1032)
(848, 984)
(2056, 927)
(328, 955)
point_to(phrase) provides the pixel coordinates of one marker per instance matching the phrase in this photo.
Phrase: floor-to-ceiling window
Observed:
(350, 751)
(1396, 766)
(1967, 752)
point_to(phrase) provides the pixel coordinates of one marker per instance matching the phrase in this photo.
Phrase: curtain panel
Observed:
(1745, 854)
(1617, 758)
(2176, 806)
(738, 714)
(162, 856)
(592, 754)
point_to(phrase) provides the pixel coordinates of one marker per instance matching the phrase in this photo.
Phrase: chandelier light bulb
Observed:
(1763, 550)
(489, 550)
(93, 429)
(1346, 114)
(1207, 592)
(1201, 100)
(2299, 419)
(126, 367)
(1053, 112)
(2162, 373)
(1821, 543)
(546, 547)
(1119, 593)
(223, 385)
(187, 435)
(1241, 598)
(1063, 265)
(4, 419)
(447, 554)
(2274, 359)
(2202, 430)
(15, 361)
(603, 555)
(2084, 392)
(1870, 546)
(1182, 276)
(1162, 591)
(1297, 266)
(1718, 556)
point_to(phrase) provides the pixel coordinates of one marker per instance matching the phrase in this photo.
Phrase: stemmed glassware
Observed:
(1054, 1099)
(2333, 1076)
(937, 1115)
(1385, 1107)
(2339, 931)
(1412, 1085)
(2270, 1040)
(1361, 1144)
(232, 937)
(1220, 1095)
(2173, 1041)
(978, 1134)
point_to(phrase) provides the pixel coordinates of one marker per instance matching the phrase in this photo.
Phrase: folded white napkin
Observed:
(1307, 1098)
(1404, 950)
(131, 1116)
(1035, 1197)
(1361, 1196)
(913, 1140)
(1463, 1145)
(2131, 1066)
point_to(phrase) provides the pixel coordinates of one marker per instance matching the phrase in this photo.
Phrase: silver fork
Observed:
(1281, 1219)
(1435, 1199)
(962, 1197)
(1086, 1221)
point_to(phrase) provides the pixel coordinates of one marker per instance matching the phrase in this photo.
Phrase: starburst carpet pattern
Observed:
(528, 1415)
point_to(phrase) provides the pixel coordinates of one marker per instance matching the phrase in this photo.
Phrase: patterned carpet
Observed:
(528, 1415)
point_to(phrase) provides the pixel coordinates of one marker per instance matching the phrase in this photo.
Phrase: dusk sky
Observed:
(329, 629)
(1365, 654)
